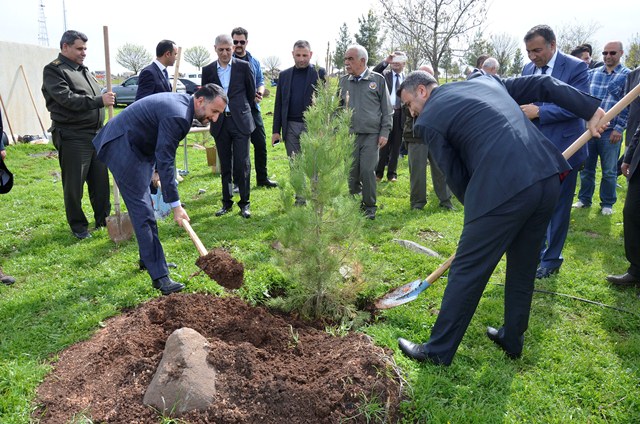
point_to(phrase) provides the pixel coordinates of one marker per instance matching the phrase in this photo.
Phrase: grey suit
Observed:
(146, 132)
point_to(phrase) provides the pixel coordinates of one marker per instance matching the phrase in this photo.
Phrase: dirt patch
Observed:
(270, 369)
(219, 265)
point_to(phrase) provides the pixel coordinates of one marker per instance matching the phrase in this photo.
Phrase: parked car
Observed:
(191, 86)
(126, 92)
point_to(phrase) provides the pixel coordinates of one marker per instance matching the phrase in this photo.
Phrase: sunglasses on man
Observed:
(241, 42)
(612, 53)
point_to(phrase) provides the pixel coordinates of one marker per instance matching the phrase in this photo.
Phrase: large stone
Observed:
(184, 380)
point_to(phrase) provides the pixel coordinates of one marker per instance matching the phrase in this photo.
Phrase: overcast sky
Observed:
(274, 25)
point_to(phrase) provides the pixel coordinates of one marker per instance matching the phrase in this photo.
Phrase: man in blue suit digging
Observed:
(507, 174)
(146, 133)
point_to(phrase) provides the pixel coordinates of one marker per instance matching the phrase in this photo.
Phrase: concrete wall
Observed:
(15, 95)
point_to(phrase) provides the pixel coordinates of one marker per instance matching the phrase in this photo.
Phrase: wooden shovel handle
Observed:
(440, 270)
(608, 116)
(107, 65)
(194, 237)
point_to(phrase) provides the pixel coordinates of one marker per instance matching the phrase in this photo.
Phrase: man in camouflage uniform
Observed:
(73, 98)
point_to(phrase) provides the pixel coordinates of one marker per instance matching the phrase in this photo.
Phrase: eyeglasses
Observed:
(241, 42)
(612, 53)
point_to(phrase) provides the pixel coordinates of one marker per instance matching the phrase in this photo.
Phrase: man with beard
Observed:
(147, 132)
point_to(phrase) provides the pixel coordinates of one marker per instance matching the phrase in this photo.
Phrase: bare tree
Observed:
(133, 57)
(504, 47)
(271, 64)
(197, 56)
(432, 25)
(571, 35)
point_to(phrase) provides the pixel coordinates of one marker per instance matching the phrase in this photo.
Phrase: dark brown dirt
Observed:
(219, 265)
(270, 369)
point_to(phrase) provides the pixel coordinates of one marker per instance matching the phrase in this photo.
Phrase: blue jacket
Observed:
(151, 81)
(152, 129)
(557, 124)
(487, 148)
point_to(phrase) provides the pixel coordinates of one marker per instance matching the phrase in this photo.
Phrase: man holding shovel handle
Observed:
(507, 175)
(73, 98)
(147, 132)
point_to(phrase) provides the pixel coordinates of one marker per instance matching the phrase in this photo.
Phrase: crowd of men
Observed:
(516, 188)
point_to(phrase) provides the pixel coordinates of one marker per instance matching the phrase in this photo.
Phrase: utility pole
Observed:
(43, 36)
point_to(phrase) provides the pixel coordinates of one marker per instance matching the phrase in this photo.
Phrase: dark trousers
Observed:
(132, 176)
(390, 152)
(515, 227)
(551, 254)
(233, 150)
(259, 141)
(631, 216)
(79, 164)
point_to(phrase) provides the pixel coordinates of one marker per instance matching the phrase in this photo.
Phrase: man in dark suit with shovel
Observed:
(507, 175)
(147, 132)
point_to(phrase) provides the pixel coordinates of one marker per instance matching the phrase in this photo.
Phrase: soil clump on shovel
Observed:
(220, 266)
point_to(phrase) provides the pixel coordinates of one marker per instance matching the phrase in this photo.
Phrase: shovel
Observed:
(410, 291)
(119, 226)
(218, 264)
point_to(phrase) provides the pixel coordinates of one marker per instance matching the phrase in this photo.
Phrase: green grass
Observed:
(580, 363)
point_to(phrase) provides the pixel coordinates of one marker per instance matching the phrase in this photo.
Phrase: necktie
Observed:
(397, 105)
(544, 69)
(166, 77)
(356, 79)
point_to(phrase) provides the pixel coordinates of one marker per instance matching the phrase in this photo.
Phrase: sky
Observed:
(274, 26)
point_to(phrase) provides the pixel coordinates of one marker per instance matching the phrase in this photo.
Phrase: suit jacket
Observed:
(633, 121)
(381, 68)
(557, 124)
(152, 128)
(487, 148)
(632, 155)
(283, 95)
(241, 94)
(151, 81)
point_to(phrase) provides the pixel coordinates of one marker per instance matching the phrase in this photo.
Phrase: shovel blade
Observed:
(119, 227)
(401, 295)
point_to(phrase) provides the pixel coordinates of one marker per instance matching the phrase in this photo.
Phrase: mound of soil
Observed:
(219, 265)
(270, 369)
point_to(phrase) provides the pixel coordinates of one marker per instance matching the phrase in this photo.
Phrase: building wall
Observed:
(20, 110)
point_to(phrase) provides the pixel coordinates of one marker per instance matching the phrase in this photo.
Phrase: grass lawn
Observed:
(581, 361)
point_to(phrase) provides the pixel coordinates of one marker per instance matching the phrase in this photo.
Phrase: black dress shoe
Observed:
(6, 279)
(223, 210)
(493, 335)
(543, 272)
(268, 183)
(81, 235)
(167, 286)
(143, 267)
(412, 350)
(624, 280)
(245, 212)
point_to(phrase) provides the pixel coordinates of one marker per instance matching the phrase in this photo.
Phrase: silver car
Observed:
(126, 92)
